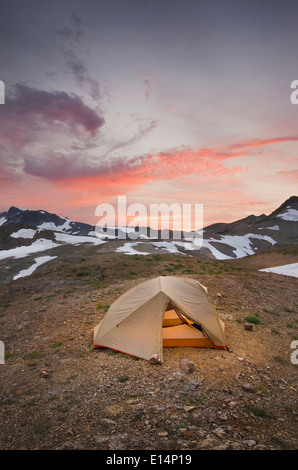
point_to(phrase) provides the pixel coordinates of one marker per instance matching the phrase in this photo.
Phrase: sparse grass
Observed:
(290, 251)
(39, 297)
(35, 355)
(192, 401)
(274, 331)
(188, 271)
(99, 306)
(69, 379)
(159, 257)
(259, 411)
(31, 402)
(40, 430)
(253, 319)
(56, 344)
(123, 378)
(280, 442)
(271, 312)
(264, 391)
(81, 273)
(279, 359)
(289, 310)
(289, 325)
(291, 409)
(239, 320)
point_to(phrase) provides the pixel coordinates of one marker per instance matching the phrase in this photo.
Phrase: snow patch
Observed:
(24, 233)
(128, 249)
(3, 220)
(56, 228)
(286, 270)
(77, 240)
(22, 251)
(275, 227)
(290, 214)
(38, 262)
(240, 244)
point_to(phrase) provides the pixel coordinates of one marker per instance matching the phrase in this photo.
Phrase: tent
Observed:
(167, 311)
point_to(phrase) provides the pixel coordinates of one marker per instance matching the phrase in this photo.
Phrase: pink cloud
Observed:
(30, 109)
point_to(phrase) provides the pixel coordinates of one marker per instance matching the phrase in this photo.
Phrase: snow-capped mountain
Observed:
(43, 220)
(39, 236)
(233, 240)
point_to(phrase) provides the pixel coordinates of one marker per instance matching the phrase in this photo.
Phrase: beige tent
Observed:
(166, 311)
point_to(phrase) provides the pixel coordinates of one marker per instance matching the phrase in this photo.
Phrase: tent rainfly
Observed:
(167, 311)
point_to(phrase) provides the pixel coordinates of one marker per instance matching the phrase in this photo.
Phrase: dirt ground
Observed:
(58, 393)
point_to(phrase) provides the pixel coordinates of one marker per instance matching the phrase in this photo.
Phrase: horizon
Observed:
(149, 226)
(172, 103)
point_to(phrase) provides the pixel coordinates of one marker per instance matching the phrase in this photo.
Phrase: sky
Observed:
(161, 101)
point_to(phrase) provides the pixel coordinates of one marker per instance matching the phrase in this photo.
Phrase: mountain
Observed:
(43, 220)
(28, 236)
(233, 240)
(253, 233)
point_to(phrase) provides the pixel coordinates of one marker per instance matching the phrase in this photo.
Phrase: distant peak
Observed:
(13, 210)
(289, 202)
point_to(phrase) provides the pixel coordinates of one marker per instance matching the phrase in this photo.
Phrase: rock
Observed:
(249, 443)
(154, 360)
(232, 404)
(219, 432)
(248, 326)
(44, 374)
(222, 446)
(132, 401)
(66, 446)
(101, 439)
(138, 407)
(222, 417)
(188, 409)
(236, 446)
(163, 434)
(249, 388)
(114, 410)
(193, 386)
(158, 408)
(208, 443)
(187, 366)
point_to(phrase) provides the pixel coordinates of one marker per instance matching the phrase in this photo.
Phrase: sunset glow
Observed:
(175, 104)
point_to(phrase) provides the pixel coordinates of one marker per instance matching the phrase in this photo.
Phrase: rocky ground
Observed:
(58, 393)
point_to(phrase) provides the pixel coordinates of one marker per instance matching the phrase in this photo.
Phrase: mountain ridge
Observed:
(15, 215)
(28, 236)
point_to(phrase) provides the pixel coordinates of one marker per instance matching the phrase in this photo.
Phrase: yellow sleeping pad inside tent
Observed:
(167, 311)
